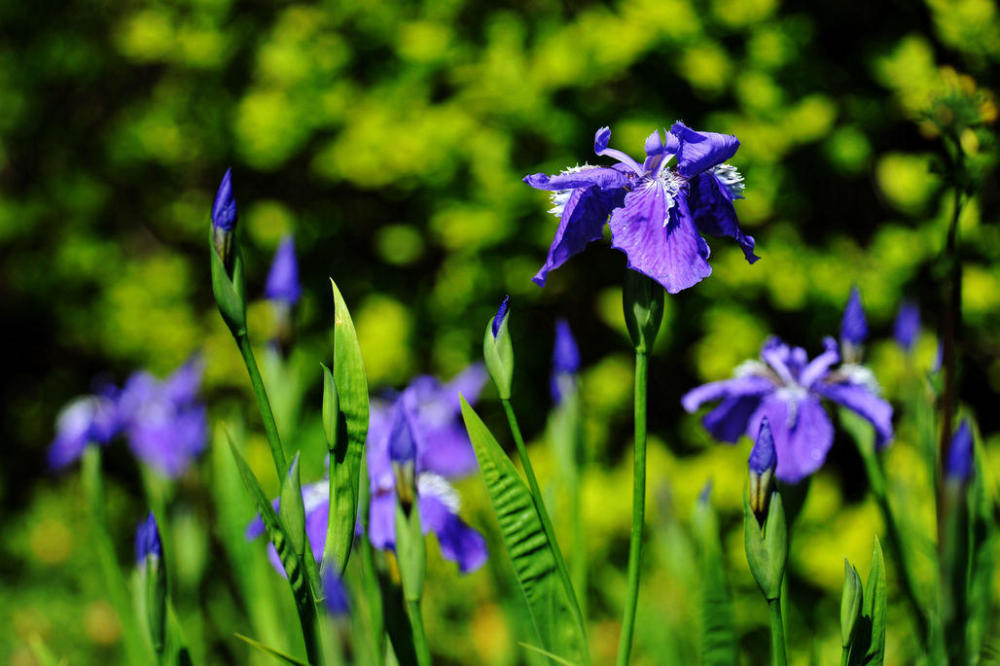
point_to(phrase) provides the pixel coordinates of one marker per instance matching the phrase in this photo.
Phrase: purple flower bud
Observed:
(501, 315)
(854, 326)
(565, 361)
(147, 539)
(907, 325)
(283, 279)
(334, 593)
(762, 455)
(959, 465)
(224, 209)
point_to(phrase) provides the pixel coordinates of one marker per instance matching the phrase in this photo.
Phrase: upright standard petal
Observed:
(802, 433)
(713, 212)
(860, 398)
(700, 151)
(659, 241)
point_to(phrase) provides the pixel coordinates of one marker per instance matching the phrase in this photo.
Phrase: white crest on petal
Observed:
(559, 198)
(672, 184)
(859, 374)
(731, 179)
(752, 368)
(436, 485)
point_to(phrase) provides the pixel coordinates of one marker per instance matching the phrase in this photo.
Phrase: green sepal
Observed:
(550, 602)
(411, 552)
(498, 352)
(850, 604)
(351, 385)
(229, 290)
(767, 546)
(642, 300)
(331, 408)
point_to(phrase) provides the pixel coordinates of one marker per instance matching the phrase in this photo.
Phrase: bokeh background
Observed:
(390, 138)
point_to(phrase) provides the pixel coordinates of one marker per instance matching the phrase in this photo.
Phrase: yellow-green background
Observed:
(390, 138)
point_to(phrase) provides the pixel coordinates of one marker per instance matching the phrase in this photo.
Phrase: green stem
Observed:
(778, 653)
(845, 656)
(877, 482)
(264, 405)
(115, 584)
(543, 514)
(423, 650)
(638, 509)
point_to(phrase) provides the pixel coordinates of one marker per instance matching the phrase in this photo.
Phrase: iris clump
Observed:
(420, 426)
(787, 388)
(162, 420)
(657, 213)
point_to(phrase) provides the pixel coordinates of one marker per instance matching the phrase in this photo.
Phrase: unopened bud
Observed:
(763, 460)
(850, 604)
(498, 351)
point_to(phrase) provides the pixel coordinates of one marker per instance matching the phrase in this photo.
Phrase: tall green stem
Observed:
(778, 654)
(423, 650)
(638, 509)
(543, 514)
(264, 405)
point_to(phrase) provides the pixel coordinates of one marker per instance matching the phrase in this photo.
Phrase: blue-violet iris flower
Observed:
(425, 415)
(657, 213)
(163, 421)
(787, 388)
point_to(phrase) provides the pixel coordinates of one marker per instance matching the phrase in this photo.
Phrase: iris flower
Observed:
(162, 420)
(787, 388)
(423, 420)
(657, 213)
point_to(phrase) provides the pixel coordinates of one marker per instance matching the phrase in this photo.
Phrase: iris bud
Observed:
(149, 557)
(762, 463)
(228, 285)
(498, 351)
(224, 217)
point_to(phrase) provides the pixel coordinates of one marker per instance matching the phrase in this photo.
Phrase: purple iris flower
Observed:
(147, 539)
(657, 213)
(907, 326)
(787, 388)
(959, 465)
(425, 415)
(91, 419)
(283, 280)
(164, 423)
(565, 361)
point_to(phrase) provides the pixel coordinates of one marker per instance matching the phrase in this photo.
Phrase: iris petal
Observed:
(582, 222)
(700, 151)
(714, 214)
(859, 398)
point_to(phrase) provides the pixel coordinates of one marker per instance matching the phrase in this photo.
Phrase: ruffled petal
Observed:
(700, 151)
(673, 254)
(583, 218)
(860, 398)
(802, 433)
(459, 542)
(714, 214)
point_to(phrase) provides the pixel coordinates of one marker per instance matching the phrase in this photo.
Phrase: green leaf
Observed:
(277, 654)
(718, 638)
(982, 544)
(530, 551)
(298, 578)
(351, 385)
(869, 641)
(42, 653)
(292, 514)
(331, 408)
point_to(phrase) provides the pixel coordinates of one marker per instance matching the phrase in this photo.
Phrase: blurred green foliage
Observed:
(390, 138)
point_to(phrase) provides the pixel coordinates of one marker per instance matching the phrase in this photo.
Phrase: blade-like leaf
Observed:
(293, 563)
(873, 614)
(718, 638)
(982, 544)
(277, 654)
(351, 385)
(530, 551)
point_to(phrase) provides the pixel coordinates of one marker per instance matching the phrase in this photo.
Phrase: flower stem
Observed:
(543, 514)
(778, 653)
(638, 509)
(264, 405)
(419, 635)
